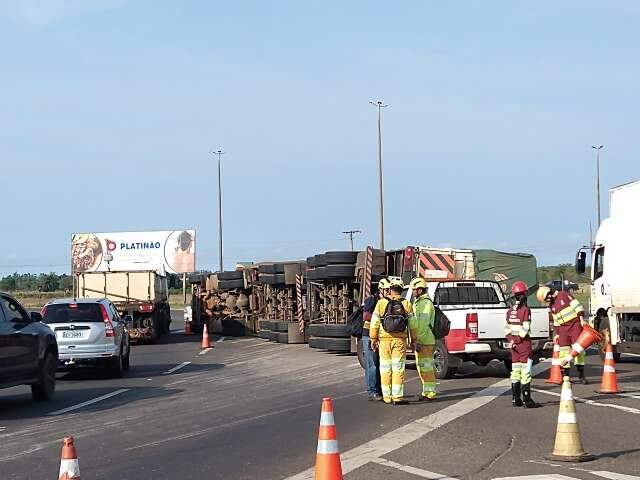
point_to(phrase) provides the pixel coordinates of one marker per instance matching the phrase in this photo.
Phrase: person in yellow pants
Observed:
(388, 333)
(423, 340)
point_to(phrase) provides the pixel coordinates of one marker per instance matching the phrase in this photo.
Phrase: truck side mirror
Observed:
(581, 261)
(35, 317)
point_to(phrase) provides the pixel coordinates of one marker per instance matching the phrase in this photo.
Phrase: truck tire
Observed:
(266, 325)
(311, 274)
(507, 364)
(273, 336)
(604, 329)
(271, 268)
(276, 279)
(283, 337)
(340, 271)
(230, 284)
(320, 260)
(320, 273)
(45, 387)
(441, 363)
(232, 275)
(341, 345)
(329, 330)
(341, 257)
(265, 334)
(280, 326)
(311, 261)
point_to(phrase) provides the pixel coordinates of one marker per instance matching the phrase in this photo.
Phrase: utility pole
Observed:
(351, 233)
(220, 153)
(379, 105)
(597, 148)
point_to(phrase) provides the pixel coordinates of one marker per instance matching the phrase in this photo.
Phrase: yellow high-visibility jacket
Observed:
(376, 330)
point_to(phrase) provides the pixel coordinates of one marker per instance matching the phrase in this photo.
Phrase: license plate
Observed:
(72, 335)
(507, 345)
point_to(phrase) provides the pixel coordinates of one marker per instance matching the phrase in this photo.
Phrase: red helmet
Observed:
(519, 287)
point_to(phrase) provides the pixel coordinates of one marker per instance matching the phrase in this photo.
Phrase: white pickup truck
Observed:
(477, 311)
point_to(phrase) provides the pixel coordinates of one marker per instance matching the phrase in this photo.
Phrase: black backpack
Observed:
(355, 323)
(394, 319)
(441, 324)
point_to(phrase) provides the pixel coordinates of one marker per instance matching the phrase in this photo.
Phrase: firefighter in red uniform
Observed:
(568, 320)
(517, 331)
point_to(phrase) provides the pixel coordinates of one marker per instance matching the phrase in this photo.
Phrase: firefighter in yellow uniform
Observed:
(423, 340)
(388, 333)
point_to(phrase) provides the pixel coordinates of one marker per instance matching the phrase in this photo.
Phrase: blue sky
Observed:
(109, 111)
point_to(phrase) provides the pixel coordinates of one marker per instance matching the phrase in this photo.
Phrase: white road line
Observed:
(593, 403)
(631, 354)
(205, 351)
(628, 395)
(538, 477)
(418, 472)
(398, 438)
(89, 402)
(614, 476)
(176, 368)
(204, 431)
(2, 429)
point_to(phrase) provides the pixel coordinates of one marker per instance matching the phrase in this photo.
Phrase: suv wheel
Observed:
(126, 364)
(45, 387)
(116, 366)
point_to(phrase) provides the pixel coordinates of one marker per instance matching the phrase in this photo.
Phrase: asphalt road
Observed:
(249, 409)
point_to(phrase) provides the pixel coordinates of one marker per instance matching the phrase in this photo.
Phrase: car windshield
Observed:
(72, 312)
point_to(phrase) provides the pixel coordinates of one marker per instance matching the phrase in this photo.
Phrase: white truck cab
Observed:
(615, 271)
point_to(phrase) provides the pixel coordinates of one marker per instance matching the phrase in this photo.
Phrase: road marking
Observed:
(614, 476)
(538, 477)
(418, 472)
(592, 402)
(176, 368)
(398, 438)
(89, 402)
(205, 351)
(631, 354)
(2, 429)
(204, 431)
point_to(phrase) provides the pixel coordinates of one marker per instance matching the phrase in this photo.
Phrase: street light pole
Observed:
(379, 105)
(220, 153)
(597, 148)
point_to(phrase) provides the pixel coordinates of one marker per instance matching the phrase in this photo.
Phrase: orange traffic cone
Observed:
(568, 444)
(609, 382)
(69, 468)
(587, 337)
(328, 465)
(555, 372)
(206, 343)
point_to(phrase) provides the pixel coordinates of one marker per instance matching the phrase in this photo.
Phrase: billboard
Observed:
(173, 251)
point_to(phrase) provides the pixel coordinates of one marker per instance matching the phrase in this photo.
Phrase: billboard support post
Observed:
(184, 288)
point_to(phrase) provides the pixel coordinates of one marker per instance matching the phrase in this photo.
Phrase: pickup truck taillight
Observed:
(108, 326)
(146, 307)
(472, 326)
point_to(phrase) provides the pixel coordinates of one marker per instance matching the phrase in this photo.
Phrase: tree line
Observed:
(53, 282)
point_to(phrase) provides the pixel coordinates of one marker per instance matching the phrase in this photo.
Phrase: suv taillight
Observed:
(472, 326)
(108, 326)
(43, 312)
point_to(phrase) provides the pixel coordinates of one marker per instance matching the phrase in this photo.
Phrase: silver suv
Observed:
(89, 331)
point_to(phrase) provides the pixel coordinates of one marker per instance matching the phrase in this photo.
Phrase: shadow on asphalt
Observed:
(21, 406)
(141, 371)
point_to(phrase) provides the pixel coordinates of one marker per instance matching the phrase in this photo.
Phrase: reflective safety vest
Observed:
(518, 321)
(565, 308)
(377, 331)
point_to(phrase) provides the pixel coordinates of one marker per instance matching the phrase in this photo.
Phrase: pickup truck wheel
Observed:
(604, 329)
(441, 362)
(45, 387)
(507, 364)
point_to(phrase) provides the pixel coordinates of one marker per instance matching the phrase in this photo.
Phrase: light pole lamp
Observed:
(219, 153)
(380, 105)
(597, 148)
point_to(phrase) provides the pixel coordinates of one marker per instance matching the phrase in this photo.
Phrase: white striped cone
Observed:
(568, 444)
(69, 466)
(328, 465)
(609, 382)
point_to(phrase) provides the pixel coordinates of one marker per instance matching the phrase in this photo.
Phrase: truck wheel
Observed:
(441, 362)
(45, 387)
(340, 257)
(604, 329)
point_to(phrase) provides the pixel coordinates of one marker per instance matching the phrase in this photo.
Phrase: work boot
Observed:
(581, 378)
(516, 401)
(526, 394)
